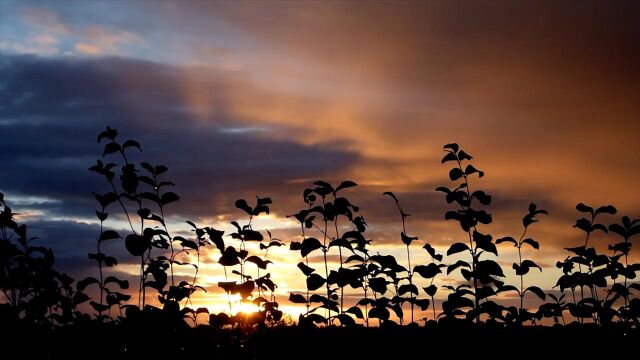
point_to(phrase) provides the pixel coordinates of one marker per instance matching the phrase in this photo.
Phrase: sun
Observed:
(244, 307)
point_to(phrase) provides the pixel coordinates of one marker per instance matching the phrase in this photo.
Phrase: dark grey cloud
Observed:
(71, 241)
(52, 109)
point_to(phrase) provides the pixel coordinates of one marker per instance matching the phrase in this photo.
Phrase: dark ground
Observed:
(123, 342)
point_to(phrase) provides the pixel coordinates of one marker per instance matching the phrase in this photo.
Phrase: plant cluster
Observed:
(34, 292)
(137, 197)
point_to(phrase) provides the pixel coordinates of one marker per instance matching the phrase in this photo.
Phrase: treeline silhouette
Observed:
(597, 290)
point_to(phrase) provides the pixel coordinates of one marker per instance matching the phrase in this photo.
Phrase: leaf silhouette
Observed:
(536, 290)
(431, 290)
(306, 270)
(111, 148)
(123, 284)
(345, 184)
(380, 313)
(432, 252)
(99, 307)
(136, 244)
(482, 197)
(584, 208)
(456, 248)
(407, 239)
(82, 284)
(428, 271)
(607, 209)
(109, 133)
(356, 311)
(252, 235)
(168, 198)
(131, 143)
(314, 282)
(408, 288)
(309, 245)
(455, 174)
(297, 299)
(262, 264)
(378, 285)
(453, 146)
(449, 157)
(534, 244)
(507, 239)
(346, 320)
(108, 235)
(392, 195)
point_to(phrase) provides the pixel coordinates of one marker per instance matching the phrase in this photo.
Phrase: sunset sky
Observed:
(262, 98)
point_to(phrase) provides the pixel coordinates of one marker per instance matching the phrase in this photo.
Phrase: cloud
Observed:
(64, 103)
(41, 45)
(545, 104)
(98, 40)
(56, 28)
(44, 19)
(87, 49)
(543, 95)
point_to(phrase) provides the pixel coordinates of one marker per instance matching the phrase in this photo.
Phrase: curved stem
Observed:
(100, 266)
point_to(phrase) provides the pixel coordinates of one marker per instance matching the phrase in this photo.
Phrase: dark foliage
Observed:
(37, 299)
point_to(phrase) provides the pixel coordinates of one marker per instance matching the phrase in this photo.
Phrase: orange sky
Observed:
(543, 94)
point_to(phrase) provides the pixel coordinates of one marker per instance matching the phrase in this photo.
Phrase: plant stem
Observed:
(326, 267)
(520, 264)
(521, 279)
(100, 265)
(410, 281)
(472, 248)
(335, 223)
(307, 261)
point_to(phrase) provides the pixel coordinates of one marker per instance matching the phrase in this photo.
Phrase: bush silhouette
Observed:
(596, 290)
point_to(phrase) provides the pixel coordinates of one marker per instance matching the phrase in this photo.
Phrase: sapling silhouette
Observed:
(232, 257)
(361, 270)
(586, 307)
(112, 297)
(331, 209)
(522, 267)
(35, 295)
(269, 306)
(137, 244)
(306, 221)
(481, 273)
(407, 240)
(431, 271)
(554, 309)
(140, 243)
(626, 229)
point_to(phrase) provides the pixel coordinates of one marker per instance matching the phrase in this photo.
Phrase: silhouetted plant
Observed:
(272, 315)
(137, 244)
(384, 272)
(431, 271)
(522, 267)
(35, 293)
(112, 297)
(33, 290)
(144, 187)
(594, 275)
(358, 274)
(305, 219)
(555, 309)
(332, 208)
(421, 269)
(629, 311)
(232, 257)
(481, 273)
